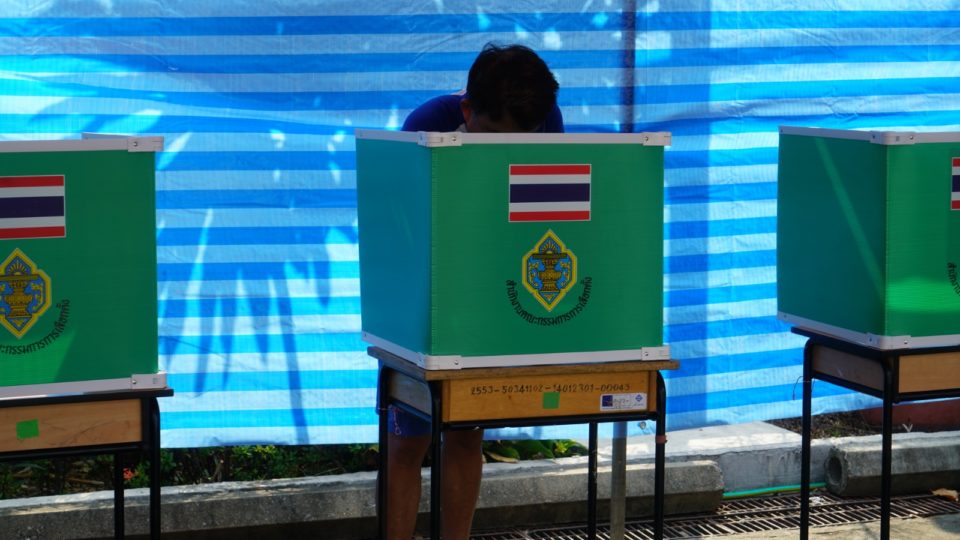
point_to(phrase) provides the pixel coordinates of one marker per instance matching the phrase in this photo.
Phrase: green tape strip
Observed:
(551, 400)
(28, 429)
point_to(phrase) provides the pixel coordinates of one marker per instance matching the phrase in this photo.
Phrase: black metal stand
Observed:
(879, 373)
(148, 443)
(805, 444)
(385, 398)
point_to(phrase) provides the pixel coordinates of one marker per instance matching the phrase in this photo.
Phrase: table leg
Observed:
(592, 483)
(659, 471)
(887, 453)
(805, 441)
(154, 445)
(383, 437)
(118, 525)
(436, 465)
(618, 481)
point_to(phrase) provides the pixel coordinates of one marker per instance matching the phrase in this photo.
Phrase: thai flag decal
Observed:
(32, 207)
(955, 185)
(549, 193)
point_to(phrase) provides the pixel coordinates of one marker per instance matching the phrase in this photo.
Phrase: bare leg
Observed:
(462, 469)
(405, 460)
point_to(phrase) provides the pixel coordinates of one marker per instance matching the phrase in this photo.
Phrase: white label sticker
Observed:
(623, 402)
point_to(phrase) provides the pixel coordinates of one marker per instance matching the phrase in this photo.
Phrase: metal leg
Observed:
(659, 470)
(886, 455)
(436, 466)
(118, 525)
(383, 438)
(154, 468)
(618, 481)
(805, 441)
(592, 484)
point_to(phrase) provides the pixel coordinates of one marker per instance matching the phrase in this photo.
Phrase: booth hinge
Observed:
(657, 138)
(432, 139)
(893, 137)
(145, 144)
(145, 381)
(656, 353)
(134, 144)
(888, 342)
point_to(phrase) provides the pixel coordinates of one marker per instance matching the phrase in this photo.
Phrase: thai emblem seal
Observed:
(24, 293)
(549, 269)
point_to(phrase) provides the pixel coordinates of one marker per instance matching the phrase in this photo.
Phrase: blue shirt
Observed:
(443, 114)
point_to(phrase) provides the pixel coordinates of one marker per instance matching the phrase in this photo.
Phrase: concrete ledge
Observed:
(343, 506)
(277, 508)
(918, 465)
(702, 464)
(541, 494)
(759, 455)
(751, 456)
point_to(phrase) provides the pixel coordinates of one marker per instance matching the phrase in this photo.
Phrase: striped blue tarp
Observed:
(258, 99)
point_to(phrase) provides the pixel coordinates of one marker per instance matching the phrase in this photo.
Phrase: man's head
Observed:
(509, 89)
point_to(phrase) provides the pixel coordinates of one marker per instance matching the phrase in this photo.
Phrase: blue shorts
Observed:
(404, 424)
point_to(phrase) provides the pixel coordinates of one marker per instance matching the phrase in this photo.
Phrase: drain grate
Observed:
(752, 515)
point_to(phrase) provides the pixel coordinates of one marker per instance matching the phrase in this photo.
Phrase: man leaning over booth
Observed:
(509, 89)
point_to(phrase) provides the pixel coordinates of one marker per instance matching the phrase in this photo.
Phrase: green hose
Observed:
(767, 491)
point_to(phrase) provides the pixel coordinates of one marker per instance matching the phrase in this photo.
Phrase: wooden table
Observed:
(891, 375)
(88, 424)
(523, 396)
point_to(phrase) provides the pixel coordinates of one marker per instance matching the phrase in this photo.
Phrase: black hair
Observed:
(512, 80)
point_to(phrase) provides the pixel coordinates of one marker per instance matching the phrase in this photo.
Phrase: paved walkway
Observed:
(934, 528)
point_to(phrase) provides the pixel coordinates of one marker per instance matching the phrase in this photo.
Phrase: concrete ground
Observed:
(934, 528)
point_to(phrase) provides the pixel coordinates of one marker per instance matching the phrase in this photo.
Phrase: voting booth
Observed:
(867, 253)
(869, 235)
(481, 249)
(78, 278)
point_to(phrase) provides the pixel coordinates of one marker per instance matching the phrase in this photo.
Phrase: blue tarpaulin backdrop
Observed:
(258, 99)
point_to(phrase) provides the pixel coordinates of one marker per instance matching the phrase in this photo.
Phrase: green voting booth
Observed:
(78, 293)
(482, 250)
(869, 235)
